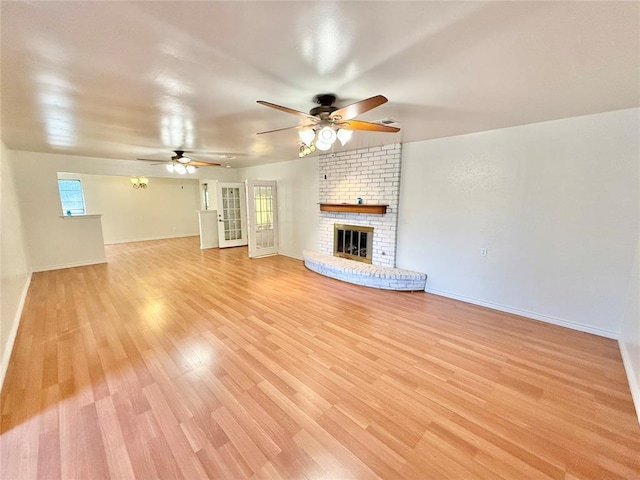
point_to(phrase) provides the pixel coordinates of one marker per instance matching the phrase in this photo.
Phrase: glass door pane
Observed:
(263, 237)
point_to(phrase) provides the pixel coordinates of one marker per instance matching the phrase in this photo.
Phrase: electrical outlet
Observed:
(483, 252)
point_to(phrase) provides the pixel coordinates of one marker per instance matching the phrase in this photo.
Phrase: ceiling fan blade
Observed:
(197, 163)
(358, 108)
(306, 116)
(368, 126)
(218, 155)
(285, 128)
(209, 153)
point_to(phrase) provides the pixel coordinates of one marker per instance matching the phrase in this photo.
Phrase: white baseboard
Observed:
(46, 268)
(525, 313)
(631, 377)
(211, 245)
(146, 239)
(291, 255)
(6, 356)
(264, 256)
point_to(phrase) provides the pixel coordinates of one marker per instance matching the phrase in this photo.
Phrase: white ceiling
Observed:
(131, 79)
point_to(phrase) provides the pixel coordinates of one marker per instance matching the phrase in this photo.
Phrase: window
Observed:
(71, 197)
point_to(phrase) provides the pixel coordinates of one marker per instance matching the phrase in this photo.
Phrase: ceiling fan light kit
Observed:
(306, 150)
(325, 137)
(180, 168)
(326, 123)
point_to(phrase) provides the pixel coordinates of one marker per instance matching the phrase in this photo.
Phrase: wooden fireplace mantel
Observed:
(354, 208)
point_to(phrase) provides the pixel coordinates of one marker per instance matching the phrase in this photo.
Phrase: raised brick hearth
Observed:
(363, 273)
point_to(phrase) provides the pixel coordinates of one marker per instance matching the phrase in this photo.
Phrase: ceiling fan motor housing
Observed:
(325, 102)
(179, 157)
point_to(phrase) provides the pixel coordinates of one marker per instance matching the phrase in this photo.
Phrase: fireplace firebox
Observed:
(353, 241)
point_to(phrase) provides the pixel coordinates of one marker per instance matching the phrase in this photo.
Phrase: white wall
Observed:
(298, 210)
(167, 208)
(14, 265)
(555, 204)
(54, 242)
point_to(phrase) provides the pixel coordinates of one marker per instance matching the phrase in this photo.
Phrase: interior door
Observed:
(232, 207)
(263, 218)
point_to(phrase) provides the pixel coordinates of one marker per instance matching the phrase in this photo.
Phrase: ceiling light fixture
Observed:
(322, 145)
(139, 182)
(322, 139)
(307, 136)
(180, 168)
(326, 135)
(306, 150)
(344, 136)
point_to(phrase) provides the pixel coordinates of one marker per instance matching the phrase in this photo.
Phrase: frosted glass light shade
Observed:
(180, 169)
(344, 136)
(326, 135)
(191, 168)
(307, 136)
(322, 145)
(170, 167)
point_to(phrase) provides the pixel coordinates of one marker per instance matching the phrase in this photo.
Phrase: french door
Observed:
(263, 218)
(232, 224)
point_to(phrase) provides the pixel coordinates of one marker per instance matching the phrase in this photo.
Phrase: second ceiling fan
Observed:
(326, 122)
(181, 163)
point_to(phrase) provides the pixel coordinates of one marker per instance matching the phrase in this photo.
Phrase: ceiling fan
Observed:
(181, 163)
(326, 122)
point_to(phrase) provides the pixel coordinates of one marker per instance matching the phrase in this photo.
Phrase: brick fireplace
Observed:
(372, 174)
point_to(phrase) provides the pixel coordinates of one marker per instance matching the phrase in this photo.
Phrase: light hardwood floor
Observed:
(171, 362)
